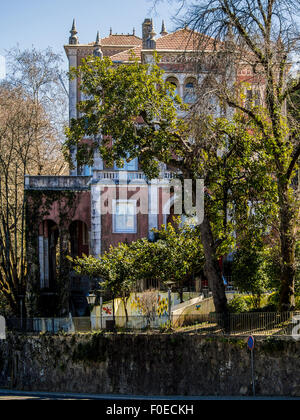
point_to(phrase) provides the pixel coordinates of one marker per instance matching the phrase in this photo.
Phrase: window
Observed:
(253, 97)
(173, 81)
(190, 91)
(124, 216)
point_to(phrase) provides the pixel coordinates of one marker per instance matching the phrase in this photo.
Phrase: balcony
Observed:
(129, 176)
(57, 183)
(82, 183)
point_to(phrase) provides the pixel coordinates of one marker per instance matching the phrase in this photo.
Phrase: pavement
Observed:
(6, 395)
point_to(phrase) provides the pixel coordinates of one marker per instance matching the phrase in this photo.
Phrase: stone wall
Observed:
(148, 364)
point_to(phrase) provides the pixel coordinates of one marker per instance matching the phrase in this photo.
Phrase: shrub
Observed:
(5, 309)
(239, 304)
(274, 299)
(250, 271)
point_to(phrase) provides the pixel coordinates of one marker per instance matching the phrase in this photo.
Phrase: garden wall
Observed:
(148, 364)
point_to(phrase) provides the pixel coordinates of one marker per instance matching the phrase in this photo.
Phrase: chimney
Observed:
(147, 29)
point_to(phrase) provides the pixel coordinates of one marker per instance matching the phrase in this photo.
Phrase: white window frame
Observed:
(124, 230)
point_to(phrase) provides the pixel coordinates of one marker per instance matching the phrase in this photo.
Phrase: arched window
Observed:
(48, 253)
(190, 94)
(173, 81)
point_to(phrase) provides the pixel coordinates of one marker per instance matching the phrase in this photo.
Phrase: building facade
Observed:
(65, 214)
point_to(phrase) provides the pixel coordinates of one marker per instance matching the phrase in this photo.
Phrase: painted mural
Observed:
(135, 310)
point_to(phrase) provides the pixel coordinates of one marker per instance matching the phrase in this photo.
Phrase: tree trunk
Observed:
(288, 248)
(125, 300)
(181, 295)
(114, 313)
(213, 269)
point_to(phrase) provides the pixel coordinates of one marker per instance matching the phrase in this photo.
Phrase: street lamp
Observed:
(91, 298)
(99, 292)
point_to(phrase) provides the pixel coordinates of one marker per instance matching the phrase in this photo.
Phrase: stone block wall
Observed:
(148, 364)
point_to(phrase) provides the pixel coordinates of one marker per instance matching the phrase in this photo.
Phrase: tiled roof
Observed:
(184, 39)
(181, 40)
(126, 55)
(120, 40)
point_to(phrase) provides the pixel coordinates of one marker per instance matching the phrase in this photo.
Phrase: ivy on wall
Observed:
(38, 207)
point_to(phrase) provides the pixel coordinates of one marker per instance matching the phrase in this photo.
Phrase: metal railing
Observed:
(80, 183)
(266, 324)
(116, 175)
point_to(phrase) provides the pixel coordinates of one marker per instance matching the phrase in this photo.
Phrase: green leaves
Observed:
(177, 254)
(131, 104)
(243, 161)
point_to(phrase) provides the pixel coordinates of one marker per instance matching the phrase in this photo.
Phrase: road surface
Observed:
(6, 395)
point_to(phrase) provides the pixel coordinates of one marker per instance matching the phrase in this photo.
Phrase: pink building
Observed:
(70, 220)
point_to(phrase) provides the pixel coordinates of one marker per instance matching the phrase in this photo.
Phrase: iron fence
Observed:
(266, 324)
(258, 323)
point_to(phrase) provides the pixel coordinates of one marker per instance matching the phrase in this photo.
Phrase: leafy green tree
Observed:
(114, 268)
(250, 272)
(239, 304)
(264, 36)
(126, 268)
(133, 105)
(185, 252)
(174, 257)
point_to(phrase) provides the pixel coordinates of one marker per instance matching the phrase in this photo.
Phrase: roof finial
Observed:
(152, 34)
(133, 32)
(97, 50)
(98, 39)
(110, 31)
(163, 29)
(73, 40)
(229, 37)
(152, 41)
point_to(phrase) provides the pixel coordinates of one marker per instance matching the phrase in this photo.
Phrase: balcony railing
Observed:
(63, 183)
(82, 183)
(130, 175)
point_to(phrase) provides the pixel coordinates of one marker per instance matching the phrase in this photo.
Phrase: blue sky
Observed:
(44, 23)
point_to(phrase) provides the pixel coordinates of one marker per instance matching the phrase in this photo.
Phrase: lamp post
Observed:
(170, 284)
(91, 298)
(101, 306)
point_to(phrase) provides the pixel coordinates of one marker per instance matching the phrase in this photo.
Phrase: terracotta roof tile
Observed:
(184, 39)
(120, 40)
(125, 55)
